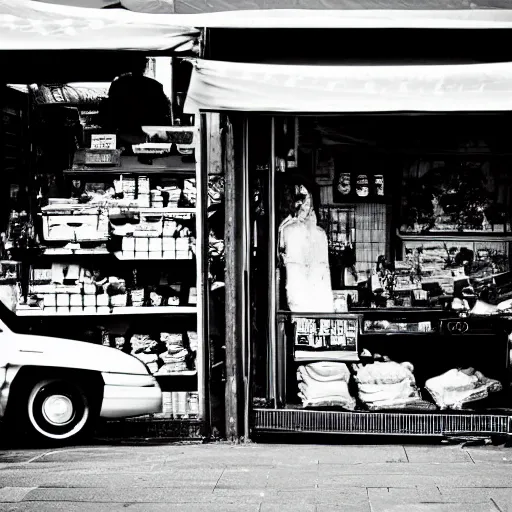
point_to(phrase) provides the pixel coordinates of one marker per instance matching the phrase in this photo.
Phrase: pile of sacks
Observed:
(325, 384)
(174, 359)
(145, 348)
(455, 388)
(388, 385)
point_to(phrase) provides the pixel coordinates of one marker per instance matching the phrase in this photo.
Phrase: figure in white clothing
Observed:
(304, 252)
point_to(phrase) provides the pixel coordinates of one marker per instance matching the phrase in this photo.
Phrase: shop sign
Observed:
(103, 141)
(338, 333)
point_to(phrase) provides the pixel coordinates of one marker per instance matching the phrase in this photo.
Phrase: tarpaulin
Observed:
(26, 25)
(224, 86)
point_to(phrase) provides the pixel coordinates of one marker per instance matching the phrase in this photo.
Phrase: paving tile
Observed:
(354, 455)
(231, 492)
(490, 455)
(435, 507)
(502, 500)
(290, 497)
(14, 494)
(394, 495)
(132, 507)
(473, 494)
(342, 496)
(114, 479)
(122, 495)
(292, 479)
(356, 507)
(402, 479)
(428, 493)
(243, 478)
(437, 454)
(281, 507)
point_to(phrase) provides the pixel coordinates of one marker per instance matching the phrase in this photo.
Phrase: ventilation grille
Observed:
(379, 423)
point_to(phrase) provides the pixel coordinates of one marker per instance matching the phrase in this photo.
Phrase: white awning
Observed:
(355, 18)
(322, 13)
(26, 25)
(222, 86)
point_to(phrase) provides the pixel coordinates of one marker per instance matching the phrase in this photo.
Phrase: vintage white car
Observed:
(56, 388)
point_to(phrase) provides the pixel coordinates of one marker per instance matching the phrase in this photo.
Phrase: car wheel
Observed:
(58, 410)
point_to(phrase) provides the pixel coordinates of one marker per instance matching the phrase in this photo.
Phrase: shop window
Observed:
(379, 228)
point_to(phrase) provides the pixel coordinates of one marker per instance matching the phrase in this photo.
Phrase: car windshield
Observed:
(10, 319)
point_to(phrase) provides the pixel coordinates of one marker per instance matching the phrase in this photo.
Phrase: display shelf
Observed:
(480, 236)
(187, 373)
(145, 257)
(130, 165)
(63, 251)
(303, 356)
(352, 201)
(156, 310)
(144, 209)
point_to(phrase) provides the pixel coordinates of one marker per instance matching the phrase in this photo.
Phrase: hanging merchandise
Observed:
(379, 185)
(344, 186)
(304, 251)
(362, 186)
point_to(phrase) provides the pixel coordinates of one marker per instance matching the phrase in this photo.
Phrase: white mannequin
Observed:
(304, 251)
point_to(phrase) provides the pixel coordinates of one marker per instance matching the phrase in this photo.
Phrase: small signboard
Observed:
(103, 141)
(99, 158)
(329, 338)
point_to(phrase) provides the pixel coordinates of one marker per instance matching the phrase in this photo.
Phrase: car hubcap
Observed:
(58, 409)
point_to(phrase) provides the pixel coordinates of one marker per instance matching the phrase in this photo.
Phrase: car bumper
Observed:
(125, 401)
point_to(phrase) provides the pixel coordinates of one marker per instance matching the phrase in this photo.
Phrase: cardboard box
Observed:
(102, 299)
(128, 244)
(155, 244)
(141, 245)
(89, 301)
(168, 244)
(75, 300)
(182, 244)
(63, 300)
(50, 300)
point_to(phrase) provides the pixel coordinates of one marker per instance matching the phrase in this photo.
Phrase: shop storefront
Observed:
(103, 227)
(367, 243)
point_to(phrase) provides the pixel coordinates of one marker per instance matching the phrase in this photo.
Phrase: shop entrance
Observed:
(378, 256)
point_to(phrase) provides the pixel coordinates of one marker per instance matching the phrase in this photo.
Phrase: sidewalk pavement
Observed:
(194, 477)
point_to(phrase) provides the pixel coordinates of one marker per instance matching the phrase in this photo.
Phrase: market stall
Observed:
(104, 221)
(368, 241)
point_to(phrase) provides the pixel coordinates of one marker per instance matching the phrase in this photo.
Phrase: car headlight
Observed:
(128, 379)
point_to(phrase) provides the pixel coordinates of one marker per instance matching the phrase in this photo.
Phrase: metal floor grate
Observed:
(426, 424)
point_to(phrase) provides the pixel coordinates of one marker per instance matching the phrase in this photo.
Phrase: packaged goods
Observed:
(325, 383)
(455, 388)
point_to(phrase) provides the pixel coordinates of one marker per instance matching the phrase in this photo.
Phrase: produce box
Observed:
(74, 223)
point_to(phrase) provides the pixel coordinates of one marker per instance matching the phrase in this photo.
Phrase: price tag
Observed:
(99, 158)
(103, 141)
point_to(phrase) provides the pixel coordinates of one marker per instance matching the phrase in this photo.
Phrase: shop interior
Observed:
(379, 256)
(101, 227)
